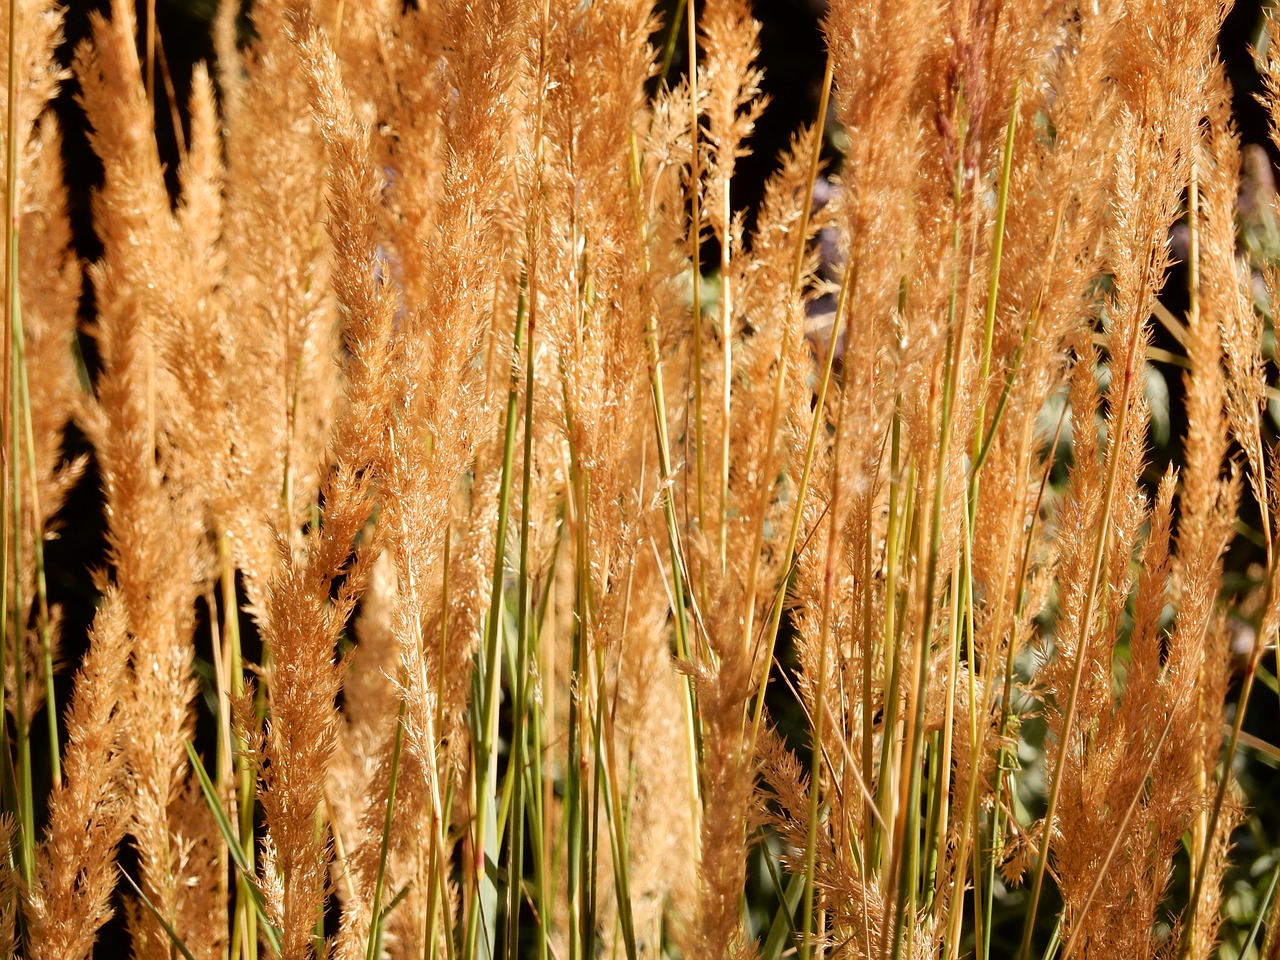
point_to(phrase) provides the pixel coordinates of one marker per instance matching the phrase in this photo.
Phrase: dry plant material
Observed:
(423, 371)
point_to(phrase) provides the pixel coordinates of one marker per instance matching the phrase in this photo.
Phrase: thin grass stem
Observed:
(1101, 541)
(784, 360)
(384, 841)
(43, 623)
(484, 732)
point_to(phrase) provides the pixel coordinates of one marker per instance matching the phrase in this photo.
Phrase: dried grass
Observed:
(525, 510)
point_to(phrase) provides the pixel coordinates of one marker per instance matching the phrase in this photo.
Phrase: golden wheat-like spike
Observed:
(283, 330)
(155, 521)
(75, 877)
(1150, 173)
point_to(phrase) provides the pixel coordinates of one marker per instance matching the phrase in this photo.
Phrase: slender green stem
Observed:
(521, 707)
(1268, 904)
(243, 866)
(907, 831)
(37, 533)
(780, 379)
(997, 253)
(984, 448)
(176, 944)
(384, 843)
(818, 722)
(673, 35)
(981, 449)
(802, 489)
(899, 520)
(577, 816)
(869, 656)
(438, 867)
(970, 825)
(935, 819)
(591, 857)
(537, 839)
(941, 747)
(667, 475)
(11, 606)
(615, 816)
(27, 817)
(244, 934)
(484, 735)
(1055, 939)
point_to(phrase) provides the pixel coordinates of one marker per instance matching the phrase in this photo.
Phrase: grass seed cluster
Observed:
(593, 571)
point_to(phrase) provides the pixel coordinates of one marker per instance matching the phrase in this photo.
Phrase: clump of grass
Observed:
(420, 378)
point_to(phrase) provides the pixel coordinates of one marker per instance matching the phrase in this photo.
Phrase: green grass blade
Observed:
(1262, 911)
(783, 930)
(215, 807)
(375, 934)
(233, 844)
(151, 907)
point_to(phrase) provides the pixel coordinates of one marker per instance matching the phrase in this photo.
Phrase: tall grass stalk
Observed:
(43, 625)
(490, 674)
(563, 655)
(11, 607)
(1129, 374)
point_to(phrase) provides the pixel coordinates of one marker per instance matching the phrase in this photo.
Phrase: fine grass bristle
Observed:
(521, 543)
